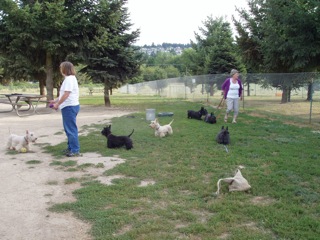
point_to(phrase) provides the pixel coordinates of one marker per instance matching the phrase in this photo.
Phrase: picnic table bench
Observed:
(95, 90)
(22, 104)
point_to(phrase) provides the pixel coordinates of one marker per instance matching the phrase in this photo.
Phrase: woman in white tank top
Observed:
(232, 90)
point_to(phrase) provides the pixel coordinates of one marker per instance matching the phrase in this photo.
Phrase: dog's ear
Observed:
(222, 127)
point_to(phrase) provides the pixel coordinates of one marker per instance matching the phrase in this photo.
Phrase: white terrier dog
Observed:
(161, 131)
(236, 183)
(16, 142)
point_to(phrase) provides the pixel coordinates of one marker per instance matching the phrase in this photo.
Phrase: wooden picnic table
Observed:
(26, 103)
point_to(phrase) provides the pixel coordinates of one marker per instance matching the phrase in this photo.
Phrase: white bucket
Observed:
(150, 114)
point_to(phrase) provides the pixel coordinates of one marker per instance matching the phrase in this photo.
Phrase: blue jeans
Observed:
(69, 117)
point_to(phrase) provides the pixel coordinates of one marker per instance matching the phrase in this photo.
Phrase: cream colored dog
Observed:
(16, 142)
(236, 183)
(161, 131)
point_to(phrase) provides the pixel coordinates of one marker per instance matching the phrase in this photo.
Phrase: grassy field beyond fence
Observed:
(281, 158)
(298, 110)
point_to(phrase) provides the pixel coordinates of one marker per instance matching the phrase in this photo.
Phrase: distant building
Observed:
(165, 47)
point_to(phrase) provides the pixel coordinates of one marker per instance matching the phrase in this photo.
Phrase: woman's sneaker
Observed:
(71, 154)
(65, 151)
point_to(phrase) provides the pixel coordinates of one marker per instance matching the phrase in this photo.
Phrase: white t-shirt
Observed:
(70, 84)
(233, 90)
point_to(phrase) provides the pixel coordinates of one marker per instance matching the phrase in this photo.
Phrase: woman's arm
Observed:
(59, 101)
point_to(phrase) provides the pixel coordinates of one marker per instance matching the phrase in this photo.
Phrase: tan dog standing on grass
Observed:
(161, 131)
(16, 142)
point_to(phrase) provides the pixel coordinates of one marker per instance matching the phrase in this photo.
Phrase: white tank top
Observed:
(233, 90)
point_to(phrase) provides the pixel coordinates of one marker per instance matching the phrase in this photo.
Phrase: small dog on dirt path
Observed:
(16, 142)
(161, 131)
(117, 141)
(197, 114)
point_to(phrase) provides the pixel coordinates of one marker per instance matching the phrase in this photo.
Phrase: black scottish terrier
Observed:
(117, 141)
(223, 136)
(210, 118)
(197, 114)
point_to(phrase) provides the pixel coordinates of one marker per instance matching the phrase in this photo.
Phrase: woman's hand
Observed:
(53, 104)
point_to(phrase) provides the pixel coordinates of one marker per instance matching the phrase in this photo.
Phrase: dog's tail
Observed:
(227, 180)
(131, 133)
(218, 186)
(171, 122)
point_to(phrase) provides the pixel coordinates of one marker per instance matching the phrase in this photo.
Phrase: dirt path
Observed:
(25, 190)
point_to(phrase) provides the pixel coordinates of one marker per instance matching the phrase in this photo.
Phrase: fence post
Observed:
(311, 96)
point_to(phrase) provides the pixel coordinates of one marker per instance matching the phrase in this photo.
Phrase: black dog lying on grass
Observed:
(223, 136)
(210, 118)
(117, 141)
(197, 114)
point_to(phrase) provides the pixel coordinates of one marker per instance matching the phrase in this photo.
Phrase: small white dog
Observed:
(16, 142)
(236, 183)
(161, 131)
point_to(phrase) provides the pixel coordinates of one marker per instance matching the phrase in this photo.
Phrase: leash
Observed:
(226, 148)
(219, 107)
(221, 102)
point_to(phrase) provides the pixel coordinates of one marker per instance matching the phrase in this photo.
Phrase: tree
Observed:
(152, 73)
(284, 35)
(161, 65)
(189, 60)
(111, 57)
(249, 38)
(35, 36)
(215, 48)
(30, 38)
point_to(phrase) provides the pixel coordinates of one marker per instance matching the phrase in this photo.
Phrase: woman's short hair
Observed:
(233, 72)
(67, 68)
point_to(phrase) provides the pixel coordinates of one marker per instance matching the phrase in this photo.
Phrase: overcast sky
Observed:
(175, 21)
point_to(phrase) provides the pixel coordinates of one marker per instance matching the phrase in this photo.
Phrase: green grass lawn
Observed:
(281, 164)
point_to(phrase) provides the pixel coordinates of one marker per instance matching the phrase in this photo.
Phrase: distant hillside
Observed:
(164, 47)
(167, 45)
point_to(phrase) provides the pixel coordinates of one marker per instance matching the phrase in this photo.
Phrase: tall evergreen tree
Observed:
(35, 36)
(216, 50)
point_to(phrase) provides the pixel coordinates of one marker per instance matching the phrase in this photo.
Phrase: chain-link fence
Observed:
(261, 90)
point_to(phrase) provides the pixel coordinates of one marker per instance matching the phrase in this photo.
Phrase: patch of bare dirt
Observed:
(28, 190)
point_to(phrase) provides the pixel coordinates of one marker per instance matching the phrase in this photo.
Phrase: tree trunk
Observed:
(310, 91)
(211, 89)
(285, 94)
(49, 79)
(58, 90)
(41, 78)
(248, 89)
(42, 86)
(107, 102)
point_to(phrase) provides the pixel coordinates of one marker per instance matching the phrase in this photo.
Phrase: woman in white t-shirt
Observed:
(232, 92)
(68, 103)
